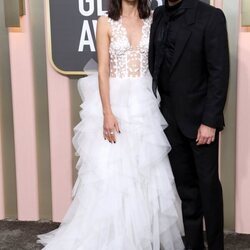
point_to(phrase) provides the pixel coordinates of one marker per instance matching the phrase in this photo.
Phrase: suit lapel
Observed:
(181, 40)
(155, 26)
(152, 51)
(183, 36)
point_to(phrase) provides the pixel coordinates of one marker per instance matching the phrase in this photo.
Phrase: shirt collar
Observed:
(173, 7)
(188, 4)
(184, 4)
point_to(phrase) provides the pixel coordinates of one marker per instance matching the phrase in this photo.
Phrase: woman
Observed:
(124, 196)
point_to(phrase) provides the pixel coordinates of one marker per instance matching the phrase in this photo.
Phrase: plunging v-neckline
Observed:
(126, 34)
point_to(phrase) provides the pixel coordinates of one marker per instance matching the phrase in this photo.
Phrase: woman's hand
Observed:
(110, 127)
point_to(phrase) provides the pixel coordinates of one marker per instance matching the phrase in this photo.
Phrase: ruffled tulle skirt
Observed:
(124, 197)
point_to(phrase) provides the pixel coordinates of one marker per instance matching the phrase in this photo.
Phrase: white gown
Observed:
(124, 197)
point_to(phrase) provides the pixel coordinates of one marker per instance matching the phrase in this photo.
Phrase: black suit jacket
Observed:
(199, 73)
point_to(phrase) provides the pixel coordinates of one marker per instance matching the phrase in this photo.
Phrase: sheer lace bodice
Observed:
(125, 60)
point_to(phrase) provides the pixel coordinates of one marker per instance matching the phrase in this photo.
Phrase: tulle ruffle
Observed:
(124, 197)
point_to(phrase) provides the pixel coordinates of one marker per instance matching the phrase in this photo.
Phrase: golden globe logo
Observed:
(71, 27)
(87, 9)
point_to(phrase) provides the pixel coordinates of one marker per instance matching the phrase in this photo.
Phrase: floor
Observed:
(21, 235)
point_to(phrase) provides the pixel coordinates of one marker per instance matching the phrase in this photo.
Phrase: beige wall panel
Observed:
(245, 12)
(7, 123)
(11, 9)
(228, 145)
(41, 102)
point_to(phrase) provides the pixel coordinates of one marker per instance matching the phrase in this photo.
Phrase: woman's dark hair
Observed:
(115, 9)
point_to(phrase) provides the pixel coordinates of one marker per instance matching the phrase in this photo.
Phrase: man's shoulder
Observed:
(158, 12)
(205, 7)
(207, 11)
(159, 8)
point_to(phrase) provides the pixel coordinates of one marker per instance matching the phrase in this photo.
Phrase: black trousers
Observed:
(195, 169)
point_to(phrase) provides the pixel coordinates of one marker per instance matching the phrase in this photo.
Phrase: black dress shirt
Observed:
(172, 21)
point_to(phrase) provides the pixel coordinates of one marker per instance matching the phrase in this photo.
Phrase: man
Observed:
(189, 62)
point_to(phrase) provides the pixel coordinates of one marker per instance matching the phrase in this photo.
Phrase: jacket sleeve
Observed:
(217, 62)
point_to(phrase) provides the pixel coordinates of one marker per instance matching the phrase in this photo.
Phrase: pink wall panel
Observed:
(24, 119)
(218, 3)
(243, 136)
(60, 140)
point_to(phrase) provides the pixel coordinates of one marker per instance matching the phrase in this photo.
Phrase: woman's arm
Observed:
(102, 43)
(110, 124)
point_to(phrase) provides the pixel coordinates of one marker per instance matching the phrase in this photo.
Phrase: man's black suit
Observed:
(196, 91)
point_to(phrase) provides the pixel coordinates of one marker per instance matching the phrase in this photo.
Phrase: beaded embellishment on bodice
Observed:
(125, 60)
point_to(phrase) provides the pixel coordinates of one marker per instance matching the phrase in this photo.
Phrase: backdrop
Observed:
(39, 108)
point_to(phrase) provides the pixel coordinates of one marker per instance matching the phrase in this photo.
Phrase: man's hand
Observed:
(206, 135)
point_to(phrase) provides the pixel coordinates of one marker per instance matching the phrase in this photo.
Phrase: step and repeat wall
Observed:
(72, 29)
(40, 62)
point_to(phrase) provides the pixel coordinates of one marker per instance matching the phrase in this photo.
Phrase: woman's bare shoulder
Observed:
(103, 23)
(103, 19)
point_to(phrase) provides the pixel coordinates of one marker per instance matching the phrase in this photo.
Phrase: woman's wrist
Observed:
(107, 112)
